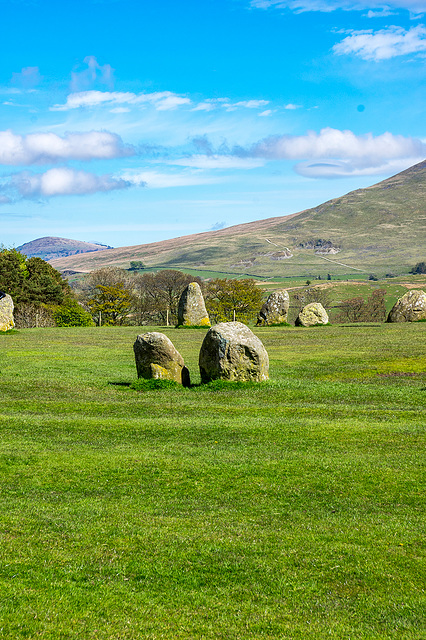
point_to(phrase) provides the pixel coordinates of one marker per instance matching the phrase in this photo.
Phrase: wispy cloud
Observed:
(41, 148)
(158, 180)
(383, 44)
(326, 6)
(216, 161)
(92, 74)
(343, 169)
(161, 100)
(27, 78)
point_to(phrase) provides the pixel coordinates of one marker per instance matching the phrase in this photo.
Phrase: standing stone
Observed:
(275, 309)
(311, 315)
(409, 308)
(6, 312)
(231, 351)
(192, 310)
(156, 357)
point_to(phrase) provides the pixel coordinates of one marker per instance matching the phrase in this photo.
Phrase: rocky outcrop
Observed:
(231, 351)
(275, 309)
(311, 315)
(6, 312)
(191, 309)
(156, 357)
(410, 308)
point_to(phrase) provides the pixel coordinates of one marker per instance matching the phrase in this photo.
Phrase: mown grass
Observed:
(289, 509)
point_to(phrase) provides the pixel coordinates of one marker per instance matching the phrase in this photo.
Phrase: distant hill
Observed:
(50, 248)
(381, 228)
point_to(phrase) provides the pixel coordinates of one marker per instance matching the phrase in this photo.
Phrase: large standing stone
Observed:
(231, 351)
(275, 309)
(6, 312)
(156, 357)
(409, 308)
(314, 313)
(192, 310)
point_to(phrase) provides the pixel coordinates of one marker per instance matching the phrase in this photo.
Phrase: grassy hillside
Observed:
(381, 228)
(289, 509)
(50, 247)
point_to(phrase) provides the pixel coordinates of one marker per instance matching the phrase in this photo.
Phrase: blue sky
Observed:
(132, 121)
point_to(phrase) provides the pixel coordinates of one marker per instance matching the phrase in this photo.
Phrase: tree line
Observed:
(114, 296)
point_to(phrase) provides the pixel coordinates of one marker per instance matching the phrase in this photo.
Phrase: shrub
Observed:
(72, 315)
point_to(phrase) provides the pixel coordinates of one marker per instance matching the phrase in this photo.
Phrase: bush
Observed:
(72, 315)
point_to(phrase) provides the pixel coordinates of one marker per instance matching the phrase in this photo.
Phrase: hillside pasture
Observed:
(288, 509)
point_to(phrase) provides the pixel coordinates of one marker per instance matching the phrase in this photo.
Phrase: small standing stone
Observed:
(231, 351)
(6, 312)
(311, 315)
(156, 357)
(275, 309)
(191, 309)
(409, 308)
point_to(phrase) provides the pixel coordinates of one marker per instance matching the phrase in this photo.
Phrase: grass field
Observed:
(284, 510)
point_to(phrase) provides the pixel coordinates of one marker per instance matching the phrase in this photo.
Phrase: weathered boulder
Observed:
(231, 351)
(6, 312)
(275, 309)
(314, 313)
(156, 357)
(409, 308)
(191, 309)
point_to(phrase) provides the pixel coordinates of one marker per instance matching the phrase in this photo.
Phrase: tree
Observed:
(359, 310)
(419, 268)
(158, 294)
(31, 280)
(226, 298)
(111, 304)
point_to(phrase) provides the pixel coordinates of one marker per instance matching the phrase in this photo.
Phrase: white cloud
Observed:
(218, 162)
(333, 143)
(63, 181)
(299, 6)
(38, 148)
(266, 113)
(334, 153)
(161, 100)
(157, 180)
(383, 44)
(292, 107)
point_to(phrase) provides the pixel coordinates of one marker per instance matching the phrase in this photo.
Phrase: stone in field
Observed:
(6, 312)
(231, 351)
(156, 357)
(409, 308)
(314, 313)
(191, 309)
(275, 309)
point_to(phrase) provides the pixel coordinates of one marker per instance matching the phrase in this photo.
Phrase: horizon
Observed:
(130, 123)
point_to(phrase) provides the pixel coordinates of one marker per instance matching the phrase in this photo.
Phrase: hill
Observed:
(50, 248)
(381, 228)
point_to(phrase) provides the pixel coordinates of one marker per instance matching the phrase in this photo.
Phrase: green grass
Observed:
(290, 509)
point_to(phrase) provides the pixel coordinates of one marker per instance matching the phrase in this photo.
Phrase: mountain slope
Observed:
(382, 227)
(51, 247)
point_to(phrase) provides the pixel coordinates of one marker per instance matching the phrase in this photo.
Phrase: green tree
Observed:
(226, 298)
(111, 304)
(31, 280)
